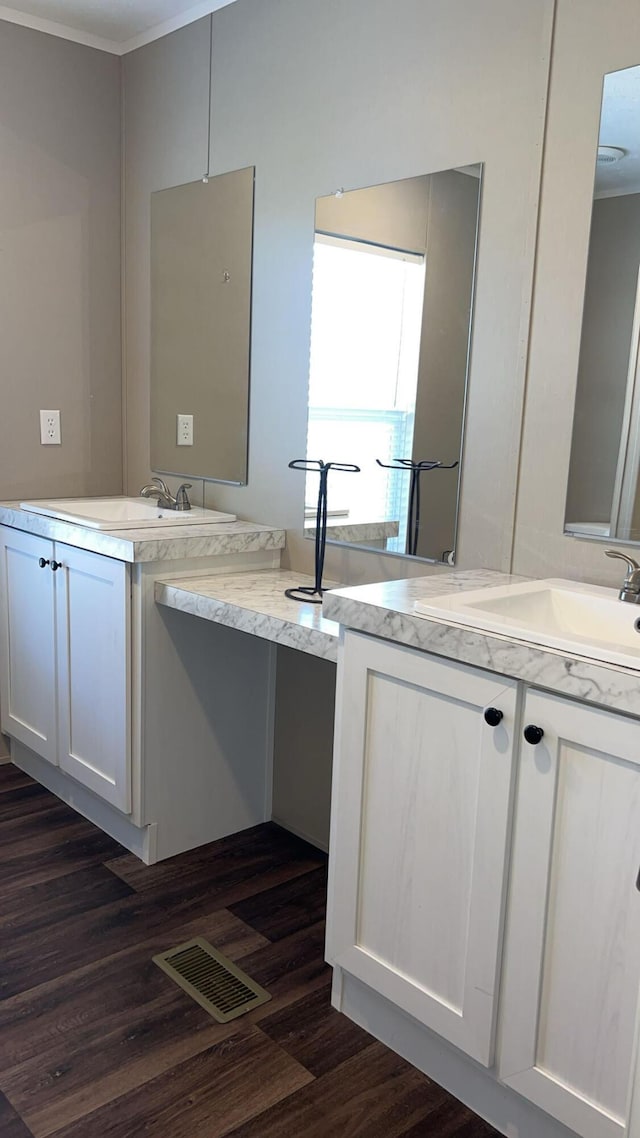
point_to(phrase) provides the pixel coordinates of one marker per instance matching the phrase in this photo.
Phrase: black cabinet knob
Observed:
(493, 716)
(42, 562)
(56, 565)
(533, 734)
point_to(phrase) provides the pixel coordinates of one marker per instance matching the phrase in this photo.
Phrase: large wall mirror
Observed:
(603, 499)
(393, 280)
(201, 255)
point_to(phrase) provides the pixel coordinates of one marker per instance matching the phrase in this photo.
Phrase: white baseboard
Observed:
(471, 1083)
(104, 816)
(310, 838)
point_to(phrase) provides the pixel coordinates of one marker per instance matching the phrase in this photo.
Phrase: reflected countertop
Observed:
(352, 530)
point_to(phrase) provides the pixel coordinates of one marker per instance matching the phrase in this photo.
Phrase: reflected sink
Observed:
(581, 620)
(122, 513)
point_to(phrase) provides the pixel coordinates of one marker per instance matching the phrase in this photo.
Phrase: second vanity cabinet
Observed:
(130, 712)
(419, 830)
(485, 885)
(65, 644)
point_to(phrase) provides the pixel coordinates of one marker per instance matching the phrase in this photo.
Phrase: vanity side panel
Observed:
(206, 723)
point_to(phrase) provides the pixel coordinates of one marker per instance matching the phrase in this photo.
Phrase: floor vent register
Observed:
(210, 978)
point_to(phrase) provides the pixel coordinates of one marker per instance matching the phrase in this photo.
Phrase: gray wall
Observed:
(609, 303)
(345, 93)
(590, 39)
(430, 86)
(166, 91)
(303, 744)
(473, 86)
(394, 214)
(451, 240)
(60, 194)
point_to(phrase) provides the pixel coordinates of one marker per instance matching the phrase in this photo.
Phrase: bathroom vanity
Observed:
(484, 914)
(129, 712)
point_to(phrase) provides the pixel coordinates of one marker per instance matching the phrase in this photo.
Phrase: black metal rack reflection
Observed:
(307, 592)
(416, 468)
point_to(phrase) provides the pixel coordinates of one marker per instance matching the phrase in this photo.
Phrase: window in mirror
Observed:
(393, 272)
(367, 308)
(602, 494)
(201, 259)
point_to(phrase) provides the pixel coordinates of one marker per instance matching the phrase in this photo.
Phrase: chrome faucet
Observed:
(630, 589)
(159, 489)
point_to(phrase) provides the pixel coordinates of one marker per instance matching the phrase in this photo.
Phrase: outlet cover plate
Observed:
(50, 428)
(185, 430)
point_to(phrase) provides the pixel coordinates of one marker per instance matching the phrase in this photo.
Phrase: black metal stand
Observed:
(416, 468)
(308, 592)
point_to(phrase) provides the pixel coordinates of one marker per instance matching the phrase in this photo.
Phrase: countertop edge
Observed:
(591, 681)
(136, 546)
(289, 630)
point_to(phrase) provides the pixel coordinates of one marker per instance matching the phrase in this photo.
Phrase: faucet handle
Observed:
(182, 498)
(632, 566)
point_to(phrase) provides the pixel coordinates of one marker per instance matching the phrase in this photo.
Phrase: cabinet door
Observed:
(421, 804)
(93, 640)
(27, 642)
(572, 965)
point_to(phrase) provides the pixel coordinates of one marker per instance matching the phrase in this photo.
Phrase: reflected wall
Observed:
(201, 257)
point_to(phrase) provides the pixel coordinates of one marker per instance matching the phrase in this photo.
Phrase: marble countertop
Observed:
(341, 529)
(386, 610)
(254, 602)
(168, 543)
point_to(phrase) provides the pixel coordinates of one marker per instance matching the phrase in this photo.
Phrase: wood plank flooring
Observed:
(96, 1042)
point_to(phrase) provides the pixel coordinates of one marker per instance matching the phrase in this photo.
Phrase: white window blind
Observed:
(365, 345)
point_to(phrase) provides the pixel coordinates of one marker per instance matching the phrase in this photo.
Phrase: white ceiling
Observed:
(620, 126)
(117, 26)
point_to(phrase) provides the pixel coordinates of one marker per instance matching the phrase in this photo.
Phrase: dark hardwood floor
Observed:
(96, 1042)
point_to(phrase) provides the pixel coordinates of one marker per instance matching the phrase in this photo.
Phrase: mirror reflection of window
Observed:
(365, 345)
(393, 274)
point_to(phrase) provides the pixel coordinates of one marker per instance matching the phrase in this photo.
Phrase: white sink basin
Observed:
(122, 513)
(582, 620)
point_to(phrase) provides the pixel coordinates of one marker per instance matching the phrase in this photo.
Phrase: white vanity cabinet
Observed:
(431, 832)
(132, 713)
(420, 818)
(65, 660)
(572, 955)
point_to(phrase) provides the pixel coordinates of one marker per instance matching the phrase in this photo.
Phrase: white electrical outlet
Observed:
(50, 428)
(185, 430)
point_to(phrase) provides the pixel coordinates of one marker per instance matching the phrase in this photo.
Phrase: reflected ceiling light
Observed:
(609, 154)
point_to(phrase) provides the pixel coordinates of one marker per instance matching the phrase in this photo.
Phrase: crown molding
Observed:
(205, 8)
(64, 31)
(618, 192)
